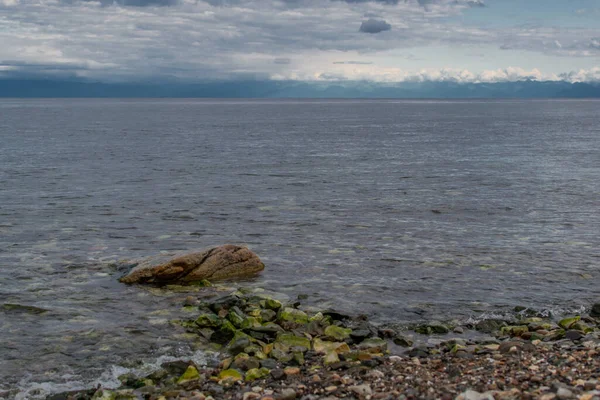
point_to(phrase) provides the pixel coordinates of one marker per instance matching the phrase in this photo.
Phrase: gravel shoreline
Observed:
(549, 371)
(272, 350)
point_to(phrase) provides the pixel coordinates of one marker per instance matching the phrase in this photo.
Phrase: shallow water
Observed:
(403, 210)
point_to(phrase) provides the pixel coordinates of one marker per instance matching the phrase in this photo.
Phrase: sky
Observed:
(303, 40)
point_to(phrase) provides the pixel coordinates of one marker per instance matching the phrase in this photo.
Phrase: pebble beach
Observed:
(269, 350)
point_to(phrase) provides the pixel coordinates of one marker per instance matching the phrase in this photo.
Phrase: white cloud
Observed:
(583, 75)
(363, 72)
(292, 39)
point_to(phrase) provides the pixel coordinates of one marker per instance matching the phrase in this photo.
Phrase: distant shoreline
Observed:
(267, 89)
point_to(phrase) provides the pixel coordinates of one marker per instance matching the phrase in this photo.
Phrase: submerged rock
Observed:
(23, 309)
(222, 262)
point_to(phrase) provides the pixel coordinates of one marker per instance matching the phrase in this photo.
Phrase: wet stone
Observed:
(489, 325)
(337, 333)
(238, 343)
(373, 345)
(268, 363)
(402, 340)
(177, 368)
(225, 303)
(567, 323)
(336, 315)
(418, 352)
(574, 335)
(505, 347)
(277, 374)
(257, 373)
(360, 334)
(190, 374)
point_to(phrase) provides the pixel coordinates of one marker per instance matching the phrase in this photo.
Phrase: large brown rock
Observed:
(222, 262)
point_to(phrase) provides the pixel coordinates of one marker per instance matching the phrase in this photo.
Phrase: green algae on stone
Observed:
(231, 374)
(490, 325)
(337, 332)
(293, 315)
(236, 317)
(268, 327)
(190, 374)
(292, 341)
(250, 323)
(238, 343)
(272, 304)
(566, 323)
(256, 373)
(298, 357)
(323, 346)
(536, 326)
(133, 381)
(224, 334)
(556, 334)
(373, 345)
(260, 355)
(582, 327)
(531, 320)
(536, 336)
(317, 317)
(208, 320)
(281, 355)
(432, 327)
(245, 362)
(267, 315)
(402, 340)
(457, 347)
(517, 330)
(252, 349)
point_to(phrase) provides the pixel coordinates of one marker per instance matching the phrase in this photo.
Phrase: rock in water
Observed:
(222, 262)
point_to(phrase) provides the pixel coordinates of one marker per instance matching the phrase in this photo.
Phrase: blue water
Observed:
(403, 210)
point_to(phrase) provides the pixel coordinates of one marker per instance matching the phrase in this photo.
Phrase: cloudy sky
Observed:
(309, 40)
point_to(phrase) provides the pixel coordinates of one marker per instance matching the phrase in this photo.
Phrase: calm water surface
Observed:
(404, 210)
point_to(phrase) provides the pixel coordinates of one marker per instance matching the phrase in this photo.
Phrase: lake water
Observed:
(404, 210)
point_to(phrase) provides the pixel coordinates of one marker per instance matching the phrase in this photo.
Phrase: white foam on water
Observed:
(554, 312)
(31, 390)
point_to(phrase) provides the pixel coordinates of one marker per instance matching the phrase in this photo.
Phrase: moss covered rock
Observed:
(231, 375)
(566, 323)
(517, 330)
(256, 373)
(431, 328)
(238, 343)
(337, 332)
(208, 320)
(190, 374)
(291, 341)
(272, 304)
(373, 345)
(292, 315)
(324, 347)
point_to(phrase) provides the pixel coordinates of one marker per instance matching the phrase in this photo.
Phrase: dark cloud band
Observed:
(374, 26)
